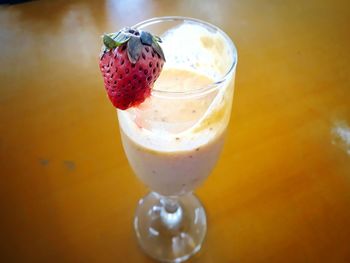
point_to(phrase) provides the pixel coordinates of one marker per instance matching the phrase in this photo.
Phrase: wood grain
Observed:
(281, 190)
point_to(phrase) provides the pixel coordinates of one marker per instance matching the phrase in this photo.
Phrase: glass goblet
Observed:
(173, 139)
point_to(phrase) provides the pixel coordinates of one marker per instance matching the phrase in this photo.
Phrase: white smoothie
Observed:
(174, 138)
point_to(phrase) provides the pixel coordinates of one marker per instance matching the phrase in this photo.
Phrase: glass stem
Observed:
(171, 212)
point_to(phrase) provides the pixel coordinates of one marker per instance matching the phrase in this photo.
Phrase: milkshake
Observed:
(173, 89)
(174, 138)
(173, 144)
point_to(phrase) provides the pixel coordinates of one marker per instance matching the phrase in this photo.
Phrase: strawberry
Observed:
(130, 64)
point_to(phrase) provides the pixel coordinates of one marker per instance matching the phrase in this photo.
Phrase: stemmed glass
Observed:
(174, 138)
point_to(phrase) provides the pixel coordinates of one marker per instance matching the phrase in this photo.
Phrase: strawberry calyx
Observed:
(134, 40)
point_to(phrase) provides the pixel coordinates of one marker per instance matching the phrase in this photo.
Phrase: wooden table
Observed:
(281, 190)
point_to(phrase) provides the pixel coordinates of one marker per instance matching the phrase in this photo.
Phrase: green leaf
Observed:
(158, 49)
(121, 38)
(109, 42)
(134, 48)
(157, 38)
(146, 38)
(114, 40)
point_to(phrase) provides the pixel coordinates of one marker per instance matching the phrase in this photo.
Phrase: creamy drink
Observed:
(172, 145)
(174, 138)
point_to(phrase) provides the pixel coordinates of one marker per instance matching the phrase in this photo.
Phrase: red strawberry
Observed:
(130, 64)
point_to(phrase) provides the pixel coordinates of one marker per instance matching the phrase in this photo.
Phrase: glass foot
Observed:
(170, 229)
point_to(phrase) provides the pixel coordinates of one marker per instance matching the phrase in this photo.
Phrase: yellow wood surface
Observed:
(281, 190)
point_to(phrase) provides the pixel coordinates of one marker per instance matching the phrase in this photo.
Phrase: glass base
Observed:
(170, 229)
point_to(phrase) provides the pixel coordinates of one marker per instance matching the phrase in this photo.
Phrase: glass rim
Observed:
(206, 88)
